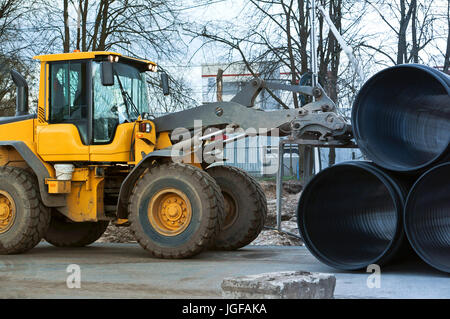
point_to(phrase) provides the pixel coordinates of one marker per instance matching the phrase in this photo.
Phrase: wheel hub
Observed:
(7, 212)
(169, 212)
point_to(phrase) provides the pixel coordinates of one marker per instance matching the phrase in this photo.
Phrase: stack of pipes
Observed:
(396, 205)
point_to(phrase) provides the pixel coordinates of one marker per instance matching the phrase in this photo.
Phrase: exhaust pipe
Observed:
(427, 217)
(351, 215)
(21, 93)
(401, 118)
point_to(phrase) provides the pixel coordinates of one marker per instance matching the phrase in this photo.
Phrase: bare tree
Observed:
(66, 38)
(278, 33)
(447, 53)
(142, 28)
(97, 25)
(11, 46)
(412, 23)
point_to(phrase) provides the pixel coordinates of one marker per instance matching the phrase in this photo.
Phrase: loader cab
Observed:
(122, 100)
(69, 95)
(79, 110)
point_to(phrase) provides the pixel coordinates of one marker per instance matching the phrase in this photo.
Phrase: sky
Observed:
(226, 10)
(229, 10)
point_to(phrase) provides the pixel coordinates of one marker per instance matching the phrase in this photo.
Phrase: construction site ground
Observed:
(117, 267)
(109, 270)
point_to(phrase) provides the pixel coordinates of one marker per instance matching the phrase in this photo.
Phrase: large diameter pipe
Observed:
(401, 118)
(351, 215)
(427, 217)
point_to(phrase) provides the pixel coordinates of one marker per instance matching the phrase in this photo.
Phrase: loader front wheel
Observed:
(23, 218)
(64, 233)
(245, 207)
(175, 211)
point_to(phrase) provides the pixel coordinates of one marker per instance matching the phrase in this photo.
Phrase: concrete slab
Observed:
(280, 285)
(126, 270)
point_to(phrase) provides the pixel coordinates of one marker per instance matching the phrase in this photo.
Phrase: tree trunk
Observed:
(405, 17)
(79, 10)
(84, 26)
(66, 40)
(415, 45)
(447, 54)
(290, 52)
(304, 35)
(97, 24)
(104, 30)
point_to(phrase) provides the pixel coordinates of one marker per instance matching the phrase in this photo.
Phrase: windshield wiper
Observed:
(127, 98)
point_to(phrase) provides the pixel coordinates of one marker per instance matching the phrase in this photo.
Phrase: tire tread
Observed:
(39, 218)
(215, 201)
(257, 215)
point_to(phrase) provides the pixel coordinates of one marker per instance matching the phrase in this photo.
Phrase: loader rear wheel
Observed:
(175, 211)
(245, 207)
(23, 218)
(64, 233)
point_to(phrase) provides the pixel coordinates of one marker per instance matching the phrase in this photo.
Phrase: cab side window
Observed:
(68, 95)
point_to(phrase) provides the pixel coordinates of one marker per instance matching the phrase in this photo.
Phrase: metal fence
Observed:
(259, 156)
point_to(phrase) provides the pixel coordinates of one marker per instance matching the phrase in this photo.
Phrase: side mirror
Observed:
(165, 83)
(107, 73)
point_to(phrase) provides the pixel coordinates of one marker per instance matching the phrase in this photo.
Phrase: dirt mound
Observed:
(114, 234)
(290, 187)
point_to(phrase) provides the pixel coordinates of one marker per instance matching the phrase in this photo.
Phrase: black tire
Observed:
(246, 195)
(31, 219)
(65, 233)
(205, 200)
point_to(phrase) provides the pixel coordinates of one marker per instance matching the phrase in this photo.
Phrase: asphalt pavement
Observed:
(127, 271)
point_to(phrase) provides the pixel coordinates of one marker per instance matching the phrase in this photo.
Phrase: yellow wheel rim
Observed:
(230, 210)
(7, 211)
(170, 212)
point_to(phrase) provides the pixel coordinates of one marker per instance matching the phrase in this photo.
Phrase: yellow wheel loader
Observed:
(94, 154)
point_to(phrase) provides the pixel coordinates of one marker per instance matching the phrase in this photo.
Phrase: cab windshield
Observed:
(120, 103)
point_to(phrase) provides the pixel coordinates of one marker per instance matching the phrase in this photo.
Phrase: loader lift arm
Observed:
(318, 117)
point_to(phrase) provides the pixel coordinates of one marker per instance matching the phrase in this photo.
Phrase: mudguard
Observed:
(134, 175)
(49, 200)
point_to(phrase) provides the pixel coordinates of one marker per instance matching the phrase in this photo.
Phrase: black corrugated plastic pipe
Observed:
(350, 215)
(401, 118)
(427, 217)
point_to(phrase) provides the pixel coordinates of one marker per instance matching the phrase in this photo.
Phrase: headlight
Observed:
(145, 127)
(113, 58)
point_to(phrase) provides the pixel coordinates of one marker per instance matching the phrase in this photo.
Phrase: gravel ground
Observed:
(291, 194)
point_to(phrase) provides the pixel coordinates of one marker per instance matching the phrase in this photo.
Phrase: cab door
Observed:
(112, 134)
(67, 135)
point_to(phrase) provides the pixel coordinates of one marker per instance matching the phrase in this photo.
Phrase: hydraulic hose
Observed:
(427, 217)
(401, 118)
(351, 215)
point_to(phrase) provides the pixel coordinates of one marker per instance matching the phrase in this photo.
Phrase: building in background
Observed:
(441, 68)
(235, 77)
